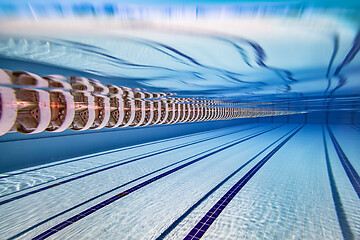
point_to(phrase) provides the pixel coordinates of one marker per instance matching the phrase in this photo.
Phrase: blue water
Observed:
(293, 176)
(303, 59)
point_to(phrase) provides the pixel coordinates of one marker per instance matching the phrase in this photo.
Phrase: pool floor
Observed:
(251, 181)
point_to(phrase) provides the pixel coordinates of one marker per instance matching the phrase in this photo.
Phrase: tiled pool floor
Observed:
(254, 181)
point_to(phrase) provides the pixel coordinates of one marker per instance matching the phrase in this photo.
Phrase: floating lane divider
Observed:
(207, 195)
(200, 228)
(107, 202)
(349, 169)
(110, 167)
(116, 188)
(5, 175)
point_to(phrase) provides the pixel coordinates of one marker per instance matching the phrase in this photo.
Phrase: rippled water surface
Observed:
(246, 58)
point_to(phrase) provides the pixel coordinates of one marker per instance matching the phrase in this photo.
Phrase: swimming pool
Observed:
(237, 121)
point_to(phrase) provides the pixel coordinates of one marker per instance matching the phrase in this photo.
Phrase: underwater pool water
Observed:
(257, 128)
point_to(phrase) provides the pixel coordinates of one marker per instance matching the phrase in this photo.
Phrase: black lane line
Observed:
(340, 212)
(4, 175)
(194, 206)
(349, 169)
(116, 188)
(98, 206)
(200, 228)
(104, 169)
(145, 155)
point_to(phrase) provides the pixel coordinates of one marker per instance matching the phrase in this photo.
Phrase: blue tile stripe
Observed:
(93, 209)
(200, 228)
(113, 166)
(349, 169)
(207, 195)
